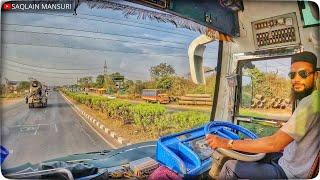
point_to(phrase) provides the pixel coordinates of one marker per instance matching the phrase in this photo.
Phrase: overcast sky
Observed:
(48, 46)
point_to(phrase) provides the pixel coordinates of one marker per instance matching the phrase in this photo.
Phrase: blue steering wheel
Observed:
(227, 130)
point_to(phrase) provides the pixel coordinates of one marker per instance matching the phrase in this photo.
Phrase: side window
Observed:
(265, 94)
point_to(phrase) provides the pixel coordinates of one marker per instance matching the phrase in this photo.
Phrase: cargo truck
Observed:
(37, 96)
(155, 95)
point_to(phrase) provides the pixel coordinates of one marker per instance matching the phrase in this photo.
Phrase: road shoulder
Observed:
(4, 102)
(109, 136)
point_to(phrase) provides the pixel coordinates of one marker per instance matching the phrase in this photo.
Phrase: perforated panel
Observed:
(278, 31)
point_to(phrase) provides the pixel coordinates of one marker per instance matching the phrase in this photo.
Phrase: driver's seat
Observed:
(217, 164)
(220, 159)
(315, 167)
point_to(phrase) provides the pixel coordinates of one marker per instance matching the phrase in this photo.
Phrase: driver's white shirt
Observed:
(304, 128)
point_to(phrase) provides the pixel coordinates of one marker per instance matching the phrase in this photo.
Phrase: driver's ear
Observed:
(317, 79)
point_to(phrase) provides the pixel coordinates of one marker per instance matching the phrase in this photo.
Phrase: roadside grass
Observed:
(262, 129)
(259, 129)
(251, 113)
(11, 95)
(151, 121)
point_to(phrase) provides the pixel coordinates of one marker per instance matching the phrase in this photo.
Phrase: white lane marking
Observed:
(28, 125)
(55, 126)
(105, 140)
(35, 133)
(85, 132)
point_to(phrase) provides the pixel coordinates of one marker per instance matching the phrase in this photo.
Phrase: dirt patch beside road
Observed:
(179, 107)
(9, 101)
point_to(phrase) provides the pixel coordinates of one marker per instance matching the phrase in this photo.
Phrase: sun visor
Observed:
(219, 15)
(194, 15)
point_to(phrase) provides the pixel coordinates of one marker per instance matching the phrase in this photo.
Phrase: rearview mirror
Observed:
(247, 91)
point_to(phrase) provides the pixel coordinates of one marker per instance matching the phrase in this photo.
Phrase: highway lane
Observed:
(38, 134)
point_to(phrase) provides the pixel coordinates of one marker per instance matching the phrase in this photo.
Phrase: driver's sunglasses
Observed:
(302, 73)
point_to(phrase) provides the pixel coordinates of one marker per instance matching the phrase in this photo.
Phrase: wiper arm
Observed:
(37, 174)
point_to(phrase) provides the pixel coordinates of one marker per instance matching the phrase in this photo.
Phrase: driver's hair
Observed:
(305, 56)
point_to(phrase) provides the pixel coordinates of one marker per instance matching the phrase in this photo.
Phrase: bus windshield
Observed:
(132, 76)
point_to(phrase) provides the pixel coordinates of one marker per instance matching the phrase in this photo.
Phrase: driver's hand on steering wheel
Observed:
(215, 141)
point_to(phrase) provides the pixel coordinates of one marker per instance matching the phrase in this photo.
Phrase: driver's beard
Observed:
(297, 96)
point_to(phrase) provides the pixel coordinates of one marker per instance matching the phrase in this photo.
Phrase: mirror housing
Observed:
(195, 54)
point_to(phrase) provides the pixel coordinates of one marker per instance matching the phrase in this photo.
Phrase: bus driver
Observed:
(299, 136)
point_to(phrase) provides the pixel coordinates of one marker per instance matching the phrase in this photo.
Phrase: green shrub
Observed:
(116, 108)
(97, 102)
(152, 117)
(146, 114)
(189, 119)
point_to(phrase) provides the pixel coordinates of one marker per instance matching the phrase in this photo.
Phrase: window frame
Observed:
(238, 93)
(217, 82)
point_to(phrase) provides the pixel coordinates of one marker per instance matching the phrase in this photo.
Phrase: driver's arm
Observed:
(274, 143)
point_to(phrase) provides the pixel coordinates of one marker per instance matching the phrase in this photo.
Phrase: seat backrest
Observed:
(315, 167)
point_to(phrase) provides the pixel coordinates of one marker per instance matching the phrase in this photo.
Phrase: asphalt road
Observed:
(38, 134)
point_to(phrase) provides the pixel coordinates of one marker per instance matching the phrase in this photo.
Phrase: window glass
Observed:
(265, 94)
(101, 62)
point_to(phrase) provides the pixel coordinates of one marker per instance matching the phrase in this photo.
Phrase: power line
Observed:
(115, 34)
(105, 50)
(61, 34)
(31, 74)
(44, 71)
(124, 19)
(10, 69)
(124, 24)
(36, 71)
(51, 67)
(113, 69)
(66, 62)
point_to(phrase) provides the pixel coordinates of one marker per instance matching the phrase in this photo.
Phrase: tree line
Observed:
(163, 76)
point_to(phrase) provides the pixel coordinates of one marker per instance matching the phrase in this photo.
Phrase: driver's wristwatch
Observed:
(230, 143)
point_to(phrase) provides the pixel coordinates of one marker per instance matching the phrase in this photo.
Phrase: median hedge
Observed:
(152, 118)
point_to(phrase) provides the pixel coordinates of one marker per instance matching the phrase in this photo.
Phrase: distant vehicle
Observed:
(37, 95)
(155, 95)
(109, 96)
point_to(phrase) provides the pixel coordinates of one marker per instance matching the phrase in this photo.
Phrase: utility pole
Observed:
(105, 71)
(105, 67)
